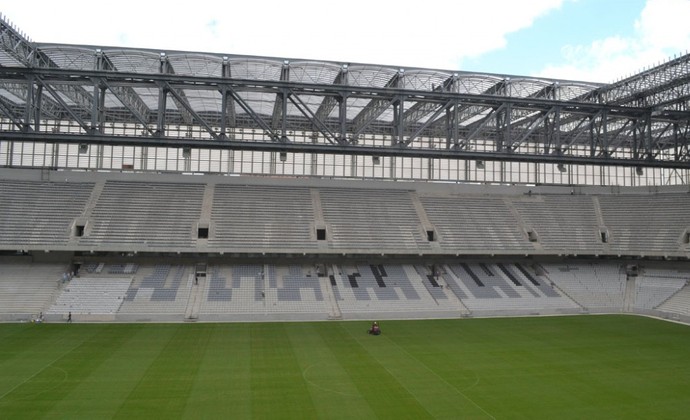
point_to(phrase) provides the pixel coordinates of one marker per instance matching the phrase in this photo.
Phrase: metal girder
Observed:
(458, 106)
(614, 135)
(26, 53)
(662, 85)
(376, 107)
(278, 121)
(167, 68)
(7, 112)
(254, 116)
(479, 125)
(76, 93)
(227, 110)
(427, 123)
(21, 49)
(372, 93)
(534, 123)
(470, 110)
(598, 130)
(320, 126)
(370, 113)
(182, 101)
(421, 109)
(681, 148)
(132, 105)
(48, 107)
(126, 95)
(65, 106)
(329, 102)
(389, 151)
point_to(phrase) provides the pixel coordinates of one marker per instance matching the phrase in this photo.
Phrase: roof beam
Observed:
(127, 96)
(167, 68)
(21, 49)
(421, 109)
(248, 109)
(11, 115)
(320, 148)
(376, 107)
(48, 107)
(320, 126)
(65, 106)
(182, 101)
(278, 121)
(227, 110)
(329, 102)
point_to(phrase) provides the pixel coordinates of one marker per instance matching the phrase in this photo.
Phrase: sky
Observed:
(585, 40)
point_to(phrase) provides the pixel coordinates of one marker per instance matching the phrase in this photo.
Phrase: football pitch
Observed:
(545, 367)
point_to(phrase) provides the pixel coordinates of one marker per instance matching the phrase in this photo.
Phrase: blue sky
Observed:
(575, 23)
(589, 40)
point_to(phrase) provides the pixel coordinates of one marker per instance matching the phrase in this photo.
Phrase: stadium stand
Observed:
(371, 219)
(40, 213)
(145, 213)
(27, 288)
(235, 188)
(565, 223)
(470, 223)
(262, 217)
(646, 224)
(596, 286)
(91, 296)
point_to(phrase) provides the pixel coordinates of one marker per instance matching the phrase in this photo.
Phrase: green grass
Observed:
(559, 367)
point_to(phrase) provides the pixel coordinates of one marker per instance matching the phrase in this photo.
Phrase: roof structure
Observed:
(73, 94)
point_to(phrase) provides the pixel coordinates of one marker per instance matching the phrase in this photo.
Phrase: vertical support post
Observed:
(224, 114)
(314, 156)
(399, 123)
(162, 98)
(226, 73)
(29, 106)
(452, 127)
(37, 108)
(676, 145)
(648, 143)
(592, 139)
(342, 118)
(605, 134)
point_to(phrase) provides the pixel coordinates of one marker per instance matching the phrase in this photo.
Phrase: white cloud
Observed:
(661, 31)
(433, 33)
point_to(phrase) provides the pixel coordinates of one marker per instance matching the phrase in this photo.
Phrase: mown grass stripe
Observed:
(164, 389)
(277, 385)
(103, 391)
(385, 395)
(329, 383)
(222, 388)
(55, 380)
(560, 367)
(439, 396)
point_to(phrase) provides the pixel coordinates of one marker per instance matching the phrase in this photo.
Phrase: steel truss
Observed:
(190, 100)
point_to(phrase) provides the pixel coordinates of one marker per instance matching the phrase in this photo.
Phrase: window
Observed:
(320, 234)
(202, 233)
(430, 236)
(79, 230)
(604, 236)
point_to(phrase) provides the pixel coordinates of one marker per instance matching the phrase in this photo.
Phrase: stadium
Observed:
(259, 204)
